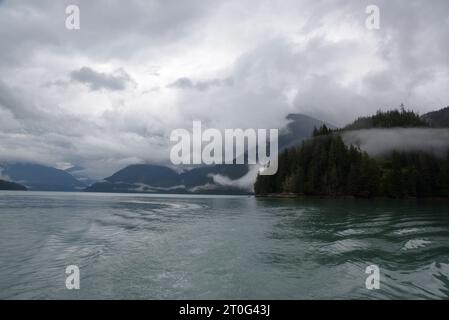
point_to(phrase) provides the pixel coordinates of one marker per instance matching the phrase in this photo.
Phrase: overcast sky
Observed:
(109, 94)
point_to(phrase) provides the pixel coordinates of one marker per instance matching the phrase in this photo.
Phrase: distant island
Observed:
(326, 166)
(6, 185)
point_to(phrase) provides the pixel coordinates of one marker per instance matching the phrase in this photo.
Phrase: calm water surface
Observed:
(217, 247)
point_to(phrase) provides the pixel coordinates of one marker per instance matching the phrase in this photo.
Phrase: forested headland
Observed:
(325, 166)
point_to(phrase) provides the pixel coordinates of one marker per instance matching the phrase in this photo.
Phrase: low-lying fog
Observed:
(380, 141)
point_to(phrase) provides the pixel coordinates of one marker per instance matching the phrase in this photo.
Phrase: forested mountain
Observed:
(325, 166)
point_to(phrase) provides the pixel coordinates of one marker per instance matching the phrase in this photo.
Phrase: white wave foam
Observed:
(415, 244)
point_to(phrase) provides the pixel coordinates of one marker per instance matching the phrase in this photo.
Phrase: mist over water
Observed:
(381, 141)
(220, 247)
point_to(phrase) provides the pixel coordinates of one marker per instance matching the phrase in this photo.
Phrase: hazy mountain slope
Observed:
(158, 176)
(300, 127)
(42, 178)
(438, 119)
(140, 178)
(78, 173)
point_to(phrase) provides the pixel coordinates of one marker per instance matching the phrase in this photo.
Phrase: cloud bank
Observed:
(116, 81)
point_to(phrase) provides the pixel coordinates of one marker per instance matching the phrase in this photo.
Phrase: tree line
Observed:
(389, 119)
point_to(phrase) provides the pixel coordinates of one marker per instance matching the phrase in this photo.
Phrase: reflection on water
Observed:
(216, 247)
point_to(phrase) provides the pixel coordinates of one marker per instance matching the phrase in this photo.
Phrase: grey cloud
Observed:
(12, 101)
(187, 83)
(57, 83)
(108, 27)
(98, 80)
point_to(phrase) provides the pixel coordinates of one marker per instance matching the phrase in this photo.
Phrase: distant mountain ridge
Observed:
(221, 179)
(160, 179)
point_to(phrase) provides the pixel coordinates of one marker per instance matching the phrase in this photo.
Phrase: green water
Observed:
(212, 247)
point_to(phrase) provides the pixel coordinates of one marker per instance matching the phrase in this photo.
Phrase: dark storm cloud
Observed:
(116, 81)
